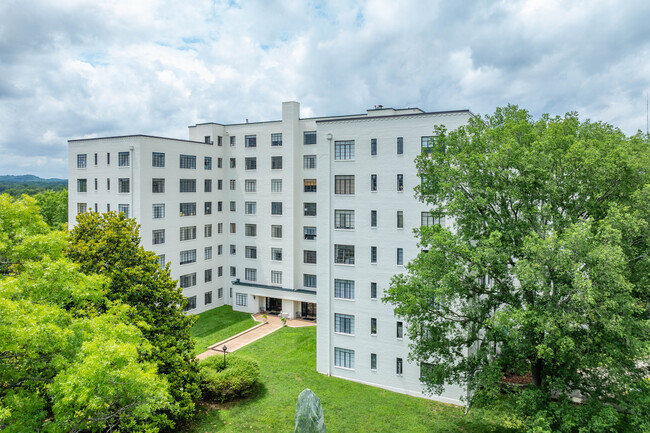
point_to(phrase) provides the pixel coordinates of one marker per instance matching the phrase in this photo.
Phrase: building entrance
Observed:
(274, 305)
(308, 310)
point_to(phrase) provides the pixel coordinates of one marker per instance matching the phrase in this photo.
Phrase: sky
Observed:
(91, 68)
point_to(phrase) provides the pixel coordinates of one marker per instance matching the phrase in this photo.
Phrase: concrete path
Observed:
(252, 334)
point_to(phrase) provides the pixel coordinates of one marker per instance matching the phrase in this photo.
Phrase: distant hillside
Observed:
(29, 184)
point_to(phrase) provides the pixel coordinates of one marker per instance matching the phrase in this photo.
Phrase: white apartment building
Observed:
(308, 217)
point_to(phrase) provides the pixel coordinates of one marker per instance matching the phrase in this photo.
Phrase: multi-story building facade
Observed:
(307, 217)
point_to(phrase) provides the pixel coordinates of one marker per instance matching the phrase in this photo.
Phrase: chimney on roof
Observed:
(246, 120)
(378, 107)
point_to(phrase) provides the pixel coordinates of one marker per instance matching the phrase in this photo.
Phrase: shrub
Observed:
(224, 383)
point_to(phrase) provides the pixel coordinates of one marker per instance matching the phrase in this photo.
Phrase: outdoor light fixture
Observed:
(224, 348)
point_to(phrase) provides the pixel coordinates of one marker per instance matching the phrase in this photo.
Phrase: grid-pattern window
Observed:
(251, 252)
(250, 274)
(233, 249)
(233, 140)
(309, 280)
(250, 163)
(207, 185)
(373, 326)
(233, 273)
(309, 161)
(276, 254)
(219, 206)
(431, 218)
(96, 184)
(250, 207)
(373, 146)
(250, 185)
(427, 144)
(123, 159)
(400, 219)
(400, 145)
(158, 237)
(400, 256)
(188, 280)
(250, 229)
(188, 185)
(373, 290)
(188, 209)
(123, 208)
(233, 163)
(276, 231)
(220, 272)
(250, 141)
(233, 184)
(207, 253)
(108, 158)
(276, 140)
(157, 186)
(191, 303)
(426, 370)
(373, 218)
(310, 209)
(276, 185)
(188, 256)
(344, 254)
(309, 137)
(399, 366)
(82, 185)
(400, 182)
(108, 184)
(373, 254)
(233, 227)
(344, 323)
(276, 162)
(206, 139)
(276, 208)
(219, 162)
(219, 250)
(309, 256)
(373, 361)
(207, 208)
(373, 182)
(344, 219)
(233, 206)
(158, 210)
(344, 150)
(124, 185)
(187, 233)
(207, 230)
(207, 296)
(220, 289)
(309, 233)
(399, 330)
(343, 357)
(309, 185)
(82, 160)
(188, 161)
(157, 159)
(82, 208)
(207, 162)
(276, 277)
(219, 184)
(344, 289)
(241, 299)
(219, 227)
(344, 184)
(161, 260)
(96, 159)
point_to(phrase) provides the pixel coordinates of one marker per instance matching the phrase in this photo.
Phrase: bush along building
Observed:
(305, 217)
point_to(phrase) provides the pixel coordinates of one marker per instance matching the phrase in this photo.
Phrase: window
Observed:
(344, 289)
(219, 251)
(276, 231)
(108, 184)
(250, 163)
(207, 297)
(161, 260)
(219, 206)
(344, 184)
(400, 330)
(250, 141)
(96, 159)
(108, 207)
(400, 219)
(108, 158)
(344, 219)
(373, 361)
(400, 256)
(187, 233)
(123, 159)
(220, 272)
(373, 254)
(373, 326)
(250, 229)
(276, 140)
(344, 254)
(400, 145)
(188, 185)
(188, 209)
(191, 303)
(310, 233)
(309, 161)
(82, 185)
(430, 218)
(207, 253)
(309, 280)
(427, 144)
(207, 231)
(233, 273)
(82, 208)
(276, 254)
(158, 237)
(233, 140)
(398, 366)
(373, 182)
(233, 163)
(207, 185)
(373, 290)
(157, 186)
(188, 256)
(233, 184)
(276, 208)
(344, 323)
(233, 206)
(157, 159)
(188, 161)
(309, 185)
(373, 218)
(96, 184)
(219, 140)
(400, 182)
(276, 277)
(426, 370)
(250, 207)
(207, 163)
(250, 185)
(123, 208)
(207, 208)
(276, 162)
(124, 184)
(241, 299)
(82, 159)
(344, 150)
(158, 211)
(207, 140)
(233, 227)
(309, 256)
(251, 252)
(276, 185)
(373, 146)
(343, 358)
(233, 249)
(219, 162)
(309, 137)
(310, 209)
(219, 227)
(220, 290)
(250, 274)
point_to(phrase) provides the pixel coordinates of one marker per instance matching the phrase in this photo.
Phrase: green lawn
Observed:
(216, 325)
(287, 361)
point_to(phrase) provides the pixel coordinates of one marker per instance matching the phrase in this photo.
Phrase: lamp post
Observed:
(224, 348)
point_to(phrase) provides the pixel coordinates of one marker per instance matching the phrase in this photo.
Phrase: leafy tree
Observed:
(109, 245)
(545, 270)
(53, 206)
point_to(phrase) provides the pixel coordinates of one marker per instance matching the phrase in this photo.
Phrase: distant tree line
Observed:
(28, 184)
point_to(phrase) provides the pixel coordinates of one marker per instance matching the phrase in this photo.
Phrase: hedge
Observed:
(237, 379)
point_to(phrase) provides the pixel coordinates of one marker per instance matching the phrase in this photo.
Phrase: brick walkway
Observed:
(255, 333)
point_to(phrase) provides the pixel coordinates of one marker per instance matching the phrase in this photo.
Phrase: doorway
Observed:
(274, 305)
(308, 310)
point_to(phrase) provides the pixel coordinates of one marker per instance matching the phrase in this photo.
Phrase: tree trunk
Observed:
(537, 369)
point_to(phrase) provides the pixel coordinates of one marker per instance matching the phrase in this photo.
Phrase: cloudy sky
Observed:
(88, 68)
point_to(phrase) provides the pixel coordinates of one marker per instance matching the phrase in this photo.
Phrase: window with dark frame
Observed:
(344, 184)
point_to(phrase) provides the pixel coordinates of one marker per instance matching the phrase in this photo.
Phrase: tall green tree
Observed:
(544, 271)
(109, 245)
(53, 207)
